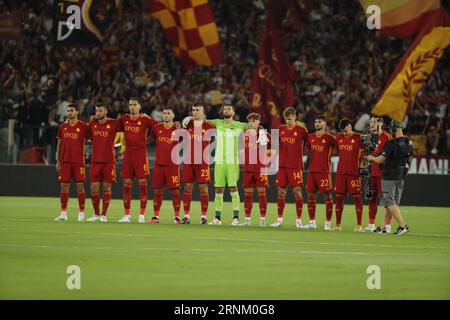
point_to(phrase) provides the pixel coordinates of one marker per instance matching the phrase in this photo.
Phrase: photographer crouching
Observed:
(394, 163)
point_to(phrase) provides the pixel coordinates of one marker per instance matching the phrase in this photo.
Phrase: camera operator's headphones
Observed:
(394, 125)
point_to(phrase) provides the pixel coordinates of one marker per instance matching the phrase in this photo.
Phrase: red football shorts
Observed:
(318, 182)
(289, 177)
(254, 180)
(103, 172)
(135, 166)
(199, 173)
(72, 172)
(166, 176)
(347, 184)
(376, 182)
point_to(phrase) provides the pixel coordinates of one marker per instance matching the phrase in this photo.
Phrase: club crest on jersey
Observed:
(340, 141)
(323, 140)
(126, 122)
(65, 128)
(353, 140)
(78, 129)
(139, 123)
(95, 127)
(295, 133)
(108, 126)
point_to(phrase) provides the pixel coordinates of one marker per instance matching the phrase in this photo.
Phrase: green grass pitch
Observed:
(167, 261)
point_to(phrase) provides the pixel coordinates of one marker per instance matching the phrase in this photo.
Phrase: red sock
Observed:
(127, 197)
(64, 198)
(299, 207)
(373, 207)
(95, 197)
(312, 208)
(157, 201)
(329, 208)
(262, 203)
(143, 189)
(204, 200)
(106, 200)
(358, 208)
(339, 208)
(389, 220)
(281, 204)
(187, 198)
(176, 201)
(248, 204)
(81, 200)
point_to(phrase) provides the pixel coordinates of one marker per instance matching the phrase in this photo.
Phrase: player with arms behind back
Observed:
(166, 173)
(70, 162)
(196, 163)
(255, 167)
(135, 161)
(321, 145)
(348, 180)
(103, 163)
(293, 138)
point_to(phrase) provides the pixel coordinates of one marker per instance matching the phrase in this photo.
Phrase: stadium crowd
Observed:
(342, 68)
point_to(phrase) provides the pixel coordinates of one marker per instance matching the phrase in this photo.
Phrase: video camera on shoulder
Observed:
(370, 142)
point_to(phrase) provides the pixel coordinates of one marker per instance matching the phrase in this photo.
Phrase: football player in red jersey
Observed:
(321, 145)
(255, 159)
(166, 170)
(103, 163)
(293, 138)
(196, 163)
(70, 162)
(376, 125)
(135, 160)
(348, 180)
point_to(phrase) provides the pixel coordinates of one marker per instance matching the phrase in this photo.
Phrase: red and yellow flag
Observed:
(403, 18)
(190, 29)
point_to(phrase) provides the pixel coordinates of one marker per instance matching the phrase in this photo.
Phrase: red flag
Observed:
(272, 90)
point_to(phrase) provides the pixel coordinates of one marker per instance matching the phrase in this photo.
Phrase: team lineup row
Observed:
(293, 141)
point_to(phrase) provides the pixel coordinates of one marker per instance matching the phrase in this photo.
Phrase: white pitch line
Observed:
(349, 244)
(214, 250)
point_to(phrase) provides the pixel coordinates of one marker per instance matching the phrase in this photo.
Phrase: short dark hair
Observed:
(254, 116)
(344, 123)
(136, 99)
(321, 117)
(169, 108)
(197, 104)
(101, 105)
(72, 105)
(229, 105)
(289, 112)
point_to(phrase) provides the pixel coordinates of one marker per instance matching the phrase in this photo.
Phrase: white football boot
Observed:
(61, 217)
(215, 222)
(94, 218)
(277, 224)
(80, 216)
(125, 219)
(310, 225)
(235, 222)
